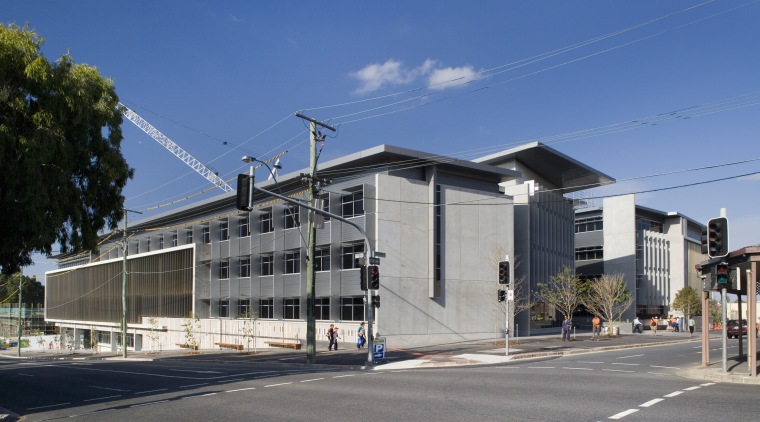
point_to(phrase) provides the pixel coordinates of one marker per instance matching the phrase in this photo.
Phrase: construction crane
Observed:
(175, 149)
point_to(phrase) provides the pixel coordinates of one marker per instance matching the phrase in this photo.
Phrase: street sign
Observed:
(373, 260)
(378, 348)
(510, 295)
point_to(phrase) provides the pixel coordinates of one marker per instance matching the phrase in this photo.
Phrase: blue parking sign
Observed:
(378, 348)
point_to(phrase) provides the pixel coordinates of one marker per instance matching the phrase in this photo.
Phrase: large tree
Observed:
(608, 297)
(688, 301)
(32, 291)
(62, 170)
(564, 291)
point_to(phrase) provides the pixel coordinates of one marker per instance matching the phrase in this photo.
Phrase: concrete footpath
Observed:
(447, 355)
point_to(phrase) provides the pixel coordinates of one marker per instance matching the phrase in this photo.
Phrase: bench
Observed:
(230, 345)
(295, 346)
(187, 346)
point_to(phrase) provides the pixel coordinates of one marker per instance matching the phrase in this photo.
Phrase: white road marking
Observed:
(196, 372)
(103, 398)
(50, 405)
(657, 373)
(344, 376)
(651, 402)
(630, 356)
(149, 403)
(673, 394)
(707, 384)
(240, 389)
(106, 388)
(582, 361)
(25, 375)
(193, 385)
(152, 391)
(663, 367)
(616, 370)
(692, 388)
(276, 385)
(198, 395)
(628, 364)
(578, 369)
(540, 367)
(313, 379)
(623, 414)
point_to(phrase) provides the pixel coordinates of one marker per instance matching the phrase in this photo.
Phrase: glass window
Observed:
(325, 206)
(266, 308)
(352, 204)
(291, 308)
(243, 228)
(322, 259)
(348, 256)
(291, 217)
(267, 264)
(292, 262)
(161, 242)
(147, 245)
(189, 236)
(224, 269)
(174, 240)
(352, 308)
(244, 309)
(245, 267)
(224, 308)
(265, 222)
(224, 231)
(104, 337)
(589, 253)
(206, 234)
(590, 224)
(322, 308)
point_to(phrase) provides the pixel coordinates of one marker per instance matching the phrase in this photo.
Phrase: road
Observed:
(643, 384)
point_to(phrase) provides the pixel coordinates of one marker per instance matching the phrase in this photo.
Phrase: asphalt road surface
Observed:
(643, 384)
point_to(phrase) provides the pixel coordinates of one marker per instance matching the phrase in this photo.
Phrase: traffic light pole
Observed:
(723, 327)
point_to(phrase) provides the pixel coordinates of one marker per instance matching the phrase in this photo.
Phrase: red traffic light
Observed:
(721, 273)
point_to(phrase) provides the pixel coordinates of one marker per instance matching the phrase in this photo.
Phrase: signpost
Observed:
(378, 349)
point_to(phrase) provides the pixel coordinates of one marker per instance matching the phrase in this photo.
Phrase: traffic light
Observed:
(703, 241)
(243, 198)
(363, 276)
(721, 273)
(375, 301)
(717, 237)
(504, 272)
(502, 295)
(373, 274)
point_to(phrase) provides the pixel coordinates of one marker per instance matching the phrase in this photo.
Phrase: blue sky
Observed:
(631, 89)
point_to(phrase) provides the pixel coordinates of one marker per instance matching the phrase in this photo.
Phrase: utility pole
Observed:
(311, 322)
(124, 288)
(20, 281)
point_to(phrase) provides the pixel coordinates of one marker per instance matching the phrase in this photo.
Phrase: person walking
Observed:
(567, 325)
(637, 325)
(596, 330)
(332, 336)
(653, 325)
(691, 326)
(360, 336)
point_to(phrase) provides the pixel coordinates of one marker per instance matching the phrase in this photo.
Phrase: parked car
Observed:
(732, 328)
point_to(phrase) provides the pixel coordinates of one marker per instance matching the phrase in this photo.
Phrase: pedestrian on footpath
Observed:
(637, 325)
(691, 326)
(332, 336)
(596, 330)
(360, 336)
(653, 325)
(567, 325)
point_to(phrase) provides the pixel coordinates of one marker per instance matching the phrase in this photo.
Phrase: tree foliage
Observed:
(563, 291)
(608, 297)
(32, 291)
(62, 170)
(688, 301)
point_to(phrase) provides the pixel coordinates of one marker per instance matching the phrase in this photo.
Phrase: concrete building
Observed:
(441, 223)
(655, 252)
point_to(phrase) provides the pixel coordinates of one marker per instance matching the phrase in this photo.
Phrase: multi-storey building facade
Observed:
(438, 222)
(655, 252)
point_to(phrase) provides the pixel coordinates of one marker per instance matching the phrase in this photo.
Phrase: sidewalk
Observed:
(469, 353)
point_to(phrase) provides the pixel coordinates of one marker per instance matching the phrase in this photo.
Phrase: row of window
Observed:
(351, 308)
(590, 224)
(589, 253)
(291, 262)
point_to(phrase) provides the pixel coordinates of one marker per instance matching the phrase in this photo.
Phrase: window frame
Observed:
(291, 308)
(224, 231)
(292, 215)
(266, 222)
(356, 306)
(350, 204)
(292, 262)
(346, 257)
(224, 269)
(266, 308)
(322, 260)
(244, 267)
(266, 261)
(244, 227)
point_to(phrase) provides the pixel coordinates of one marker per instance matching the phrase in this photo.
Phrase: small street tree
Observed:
(249, 329)
(191, 325)
(688, 301)
(564, 292)
(608, 297)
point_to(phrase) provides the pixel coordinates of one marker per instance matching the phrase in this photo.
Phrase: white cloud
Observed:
(450, 77)
(391, 73)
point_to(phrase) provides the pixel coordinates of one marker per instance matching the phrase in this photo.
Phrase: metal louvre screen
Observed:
(159, 285)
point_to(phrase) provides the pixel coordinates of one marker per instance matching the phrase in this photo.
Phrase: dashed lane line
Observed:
(630, 356)
(623, 414)
(103, 398)
(673, 394)
(617, 370)
(240, 389)
(577, 369)
(651, 402)
(313, 379)
(277, 385)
